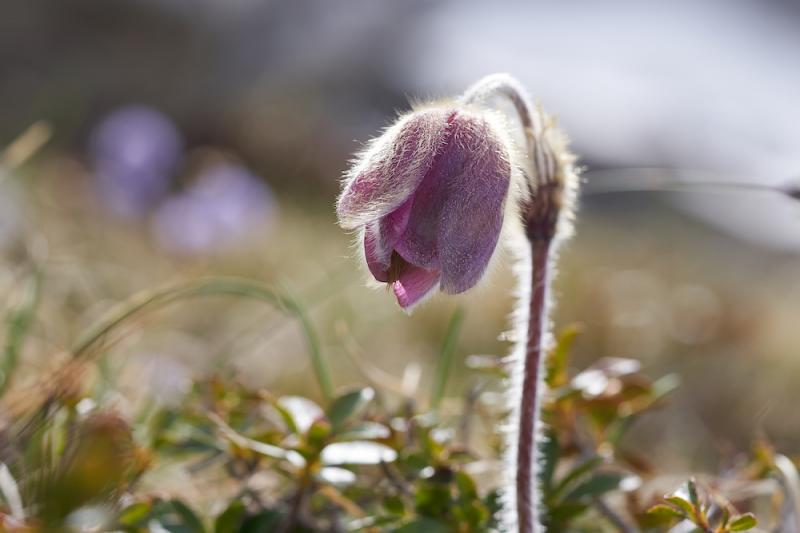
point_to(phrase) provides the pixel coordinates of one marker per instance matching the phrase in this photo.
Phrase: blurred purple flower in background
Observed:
(224, 205)
(135, 151)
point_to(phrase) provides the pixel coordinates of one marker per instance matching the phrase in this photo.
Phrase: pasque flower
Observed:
(429, 197)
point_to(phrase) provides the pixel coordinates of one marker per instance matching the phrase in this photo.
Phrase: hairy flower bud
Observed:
(552, 182)
(429, 198)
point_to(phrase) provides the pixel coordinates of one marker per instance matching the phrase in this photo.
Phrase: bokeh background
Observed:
(154, 140)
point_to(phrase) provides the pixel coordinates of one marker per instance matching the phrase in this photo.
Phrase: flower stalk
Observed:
(526, 479)
(545, 200)
(430, 198)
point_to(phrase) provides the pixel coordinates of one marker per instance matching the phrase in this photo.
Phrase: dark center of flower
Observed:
(396, 265)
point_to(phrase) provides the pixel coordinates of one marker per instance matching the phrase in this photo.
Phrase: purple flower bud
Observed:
(225, 205)
(429, 196)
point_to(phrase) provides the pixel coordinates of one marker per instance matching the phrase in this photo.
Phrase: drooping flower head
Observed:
(429, 197)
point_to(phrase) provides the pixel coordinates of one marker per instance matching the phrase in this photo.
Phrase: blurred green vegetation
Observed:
(368, 459)
(262, 387)
(253, 383)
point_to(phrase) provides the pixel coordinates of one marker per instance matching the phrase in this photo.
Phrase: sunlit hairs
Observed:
(430, 199)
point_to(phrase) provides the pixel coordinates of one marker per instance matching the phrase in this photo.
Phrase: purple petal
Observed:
(418, 244)
(395, 223)
(477, 169)
(392, 167)
(414, 284)
(380, 238)
(376, 253)
(458, 208)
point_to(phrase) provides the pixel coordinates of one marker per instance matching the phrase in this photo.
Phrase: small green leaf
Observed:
(475, 514)
(424, 525)
(176, 516)
(726, 517)
(682, 504)
(318, 433)
(466, 486)
(563, 513)
(550, 451)
(596, 485)
(433, 499)
(558, 358)
(347, 405)
(691, 487)
(189, 517)
(357, 453)
(395, 505)
(230, 519)
(303, 412)
(493, 502)
(664, 386)
(285, 415)
(134, 514)
(664, 514)
(583, 469)
(743, 522)
(261, 448)
(365, 431)
(268, 520)
(333, 475)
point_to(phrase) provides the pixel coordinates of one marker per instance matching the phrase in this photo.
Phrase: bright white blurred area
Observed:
(700, 86)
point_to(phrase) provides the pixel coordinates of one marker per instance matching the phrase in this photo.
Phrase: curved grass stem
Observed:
(215, 286)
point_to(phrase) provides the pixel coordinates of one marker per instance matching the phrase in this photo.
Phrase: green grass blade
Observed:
(445, 363)
(314, 350)
(18, 324)
(153, 299)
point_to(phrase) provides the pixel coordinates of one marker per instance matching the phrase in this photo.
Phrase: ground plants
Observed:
(364, 459)
(378, 456)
